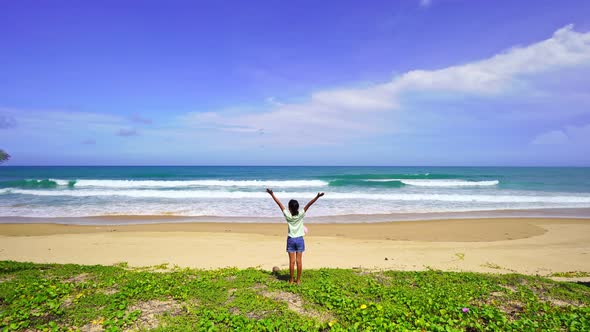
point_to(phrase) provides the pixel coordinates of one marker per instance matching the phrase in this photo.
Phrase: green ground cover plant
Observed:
(55, 297)
(571, 274)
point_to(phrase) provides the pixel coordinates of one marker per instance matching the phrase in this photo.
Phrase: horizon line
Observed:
(237, 165)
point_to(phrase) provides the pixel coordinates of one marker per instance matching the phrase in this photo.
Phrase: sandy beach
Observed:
(529, 246)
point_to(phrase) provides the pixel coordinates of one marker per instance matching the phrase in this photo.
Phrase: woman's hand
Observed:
(312, 201)
(281, 206)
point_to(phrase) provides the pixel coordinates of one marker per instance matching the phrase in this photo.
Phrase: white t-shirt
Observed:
(295, 223)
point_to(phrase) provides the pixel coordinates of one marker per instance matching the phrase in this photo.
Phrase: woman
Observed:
(295, 241)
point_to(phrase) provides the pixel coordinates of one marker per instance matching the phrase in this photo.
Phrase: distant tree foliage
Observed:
(3, 156)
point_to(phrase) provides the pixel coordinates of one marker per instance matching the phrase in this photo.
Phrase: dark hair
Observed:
(294, 207)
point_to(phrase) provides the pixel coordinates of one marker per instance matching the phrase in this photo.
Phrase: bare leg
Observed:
(291, 266)
(299, 266)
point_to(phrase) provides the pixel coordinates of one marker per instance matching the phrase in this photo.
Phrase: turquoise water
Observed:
(240, 191)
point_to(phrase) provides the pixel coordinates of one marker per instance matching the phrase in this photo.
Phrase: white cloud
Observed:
(350, 112)
(425, 3)
(498, 74)
(490, 76)
(136, 118)
(553, 137)
(7, 122)
(272, 101)
(125, 132)
(53, 126)
(58, 118)
(372, 98)
(299, 124)
(567, 135)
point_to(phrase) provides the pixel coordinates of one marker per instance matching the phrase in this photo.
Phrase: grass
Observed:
(571, 274)
(55, 297)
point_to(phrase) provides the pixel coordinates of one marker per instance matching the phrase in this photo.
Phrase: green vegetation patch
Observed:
(571, 274)
(54, 297)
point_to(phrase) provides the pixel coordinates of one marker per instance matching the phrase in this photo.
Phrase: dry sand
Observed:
(530, 246)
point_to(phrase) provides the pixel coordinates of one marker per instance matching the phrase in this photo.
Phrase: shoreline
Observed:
(524, 245)
(555, 213)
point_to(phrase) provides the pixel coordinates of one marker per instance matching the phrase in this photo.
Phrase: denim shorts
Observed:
(295, 244)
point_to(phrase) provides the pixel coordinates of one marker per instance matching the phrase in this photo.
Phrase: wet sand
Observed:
(524, 245)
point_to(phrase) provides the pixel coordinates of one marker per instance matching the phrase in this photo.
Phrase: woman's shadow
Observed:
(280, 275)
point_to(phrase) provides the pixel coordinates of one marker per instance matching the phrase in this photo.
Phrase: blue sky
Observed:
(295, 83)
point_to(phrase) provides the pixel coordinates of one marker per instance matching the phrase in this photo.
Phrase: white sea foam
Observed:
(382, 180)
(191, 183)
(60, 182)
(439, 182)
(192, 194)
(448, 183)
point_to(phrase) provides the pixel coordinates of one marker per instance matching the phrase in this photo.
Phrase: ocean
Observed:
(388, 193)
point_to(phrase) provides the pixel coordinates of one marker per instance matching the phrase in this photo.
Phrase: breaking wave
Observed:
(190, 194)
(121, 184)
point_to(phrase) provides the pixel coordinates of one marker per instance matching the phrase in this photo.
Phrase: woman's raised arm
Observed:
(312, 201)
(272, 194)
